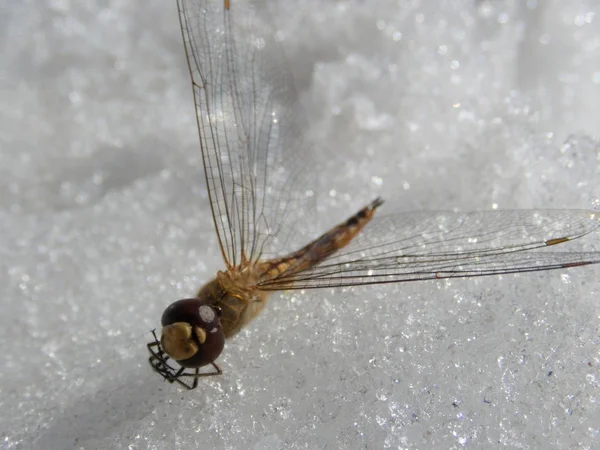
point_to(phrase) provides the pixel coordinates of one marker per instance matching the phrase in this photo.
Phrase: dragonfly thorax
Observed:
(236, 295)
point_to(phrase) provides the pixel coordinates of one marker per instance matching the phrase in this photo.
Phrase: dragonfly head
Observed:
(192, 333)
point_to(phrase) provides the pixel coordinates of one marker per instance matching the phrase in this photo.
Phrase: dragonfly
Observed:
(260, 177)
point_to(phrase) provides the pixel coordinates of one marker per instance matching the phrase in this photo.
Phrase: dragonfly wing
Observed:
(434, 245)
(251, 125)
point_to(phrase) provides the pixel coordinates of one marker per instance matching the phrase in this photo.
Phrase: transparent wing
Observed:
(252, 130)
(434, 245)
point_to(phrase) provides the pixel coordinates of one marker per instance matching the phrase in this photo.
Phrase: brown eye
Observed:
(192, 333)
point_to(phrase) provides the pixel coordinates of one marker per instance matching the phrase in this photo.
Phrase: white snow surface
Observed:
(466, 105)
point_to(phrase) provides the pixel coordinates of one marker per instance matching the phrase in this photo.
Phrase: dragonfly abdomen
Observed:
(321, 248)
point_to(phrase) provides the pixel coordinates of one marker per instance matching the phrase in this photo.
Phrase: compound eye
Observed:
(192, 333)
(209, 318)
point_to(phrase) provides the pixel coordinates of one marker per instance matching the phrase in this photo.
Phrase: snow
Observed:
(431, 105)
